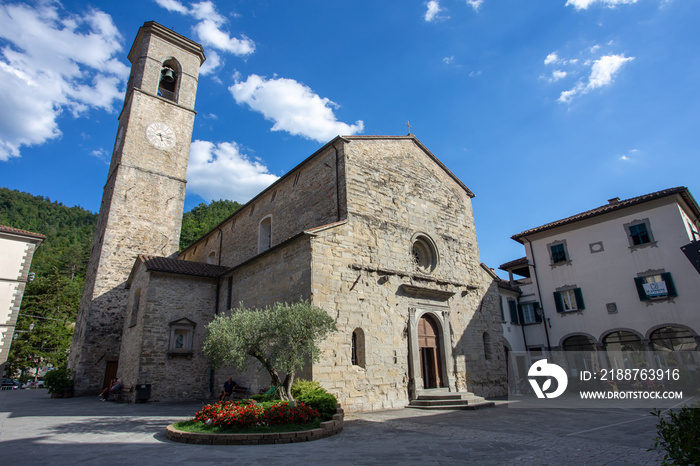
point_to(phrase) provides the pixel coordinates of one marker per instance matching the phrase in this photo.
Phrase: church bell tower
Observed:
(143, 199)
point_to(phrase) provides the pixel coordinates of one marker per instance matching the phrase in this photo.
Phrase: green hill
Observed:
(50, 303)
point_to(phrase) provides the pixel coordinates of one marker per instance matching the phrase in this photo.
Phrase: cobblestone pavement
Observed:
(35, 429)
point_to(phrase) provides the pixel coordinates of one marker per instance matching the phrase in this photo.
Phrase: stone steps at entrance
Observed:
(449, 400)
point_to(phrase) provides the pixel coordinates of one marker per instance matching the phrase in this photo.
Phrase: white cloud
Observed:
(209, 30)
(173, 5)
(53, 62)
(584, 4)
(433, 10)
(603, 72)
(212, 63)
(475, 4)
(221, 171)
(551, 58)
(555, 76)
(293, 107)
(448, 60)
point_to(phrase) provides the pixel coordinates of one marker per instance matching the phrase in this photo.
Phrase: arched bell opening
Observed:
(169, 80)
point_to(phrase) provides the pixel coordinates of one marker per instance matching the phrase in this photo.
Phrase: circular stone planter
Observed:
(327, 429)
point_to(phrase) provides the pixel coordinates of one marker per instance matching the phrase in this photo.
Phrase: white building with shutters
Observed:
(612, 278)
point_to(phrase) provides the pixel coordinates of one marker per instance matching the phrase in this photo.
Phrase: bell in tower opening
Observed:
(167, 87)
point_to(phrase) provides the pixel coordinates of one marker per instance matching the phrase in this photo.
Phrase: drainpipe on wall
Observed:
(539, 295)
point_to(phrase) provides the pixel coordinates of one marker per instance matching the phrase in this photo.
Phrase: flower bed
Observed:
(218, 423)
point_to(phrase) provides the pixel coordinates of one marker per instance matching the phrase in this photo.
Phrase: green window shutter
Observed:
(558, 301)
(513, 312)
(639, 282)
(500, 303)
(538, 318)
(666, 277)
(579, 299)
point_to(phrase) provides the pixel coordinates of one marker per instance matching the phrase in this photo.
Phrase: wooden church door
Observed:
(429, 351)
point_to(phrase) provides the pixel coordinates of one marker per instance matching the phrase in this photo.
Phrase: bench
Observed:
(239, 393)
(122, 395)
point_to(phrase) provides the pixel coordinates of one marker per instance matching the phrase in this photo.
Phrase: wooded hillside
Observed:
(50, 303)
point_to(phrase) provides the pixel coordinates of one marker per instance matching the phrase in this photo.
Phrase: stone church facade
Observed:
(376, 231)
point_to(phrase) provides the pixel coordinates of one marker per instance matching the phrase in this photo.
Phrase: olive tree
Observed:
(281, 337)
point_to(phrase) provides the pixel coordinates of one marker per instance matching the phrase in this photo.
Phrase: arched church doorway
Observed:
(429, 352)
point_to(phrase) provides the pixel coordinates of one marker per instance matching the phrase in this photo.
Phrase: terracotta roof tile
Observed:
(613, 206)
(169, 265)
(514, 263)
(17, 231)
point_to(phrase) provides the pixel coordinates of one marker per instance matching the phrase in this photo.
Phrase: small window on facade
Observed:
(569, 300)
(558, 252)
(169, 76)
(487, 346)
(265, 235)
(529, 313)
(211, 258)
(657, 286)
(181, 336)
(639, 233)
(135, 308)
(357, 355)
(424, 254)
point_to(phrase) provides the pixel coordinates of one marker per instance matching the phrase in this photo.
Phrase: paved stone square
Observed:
(35, 429)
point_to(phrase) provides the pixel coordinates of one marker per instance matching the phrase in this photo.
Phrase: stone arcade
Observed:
(373, 229)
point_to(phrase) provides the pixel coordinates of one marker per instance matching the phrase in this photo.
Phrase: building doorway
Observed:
(429, 352)
(110, 373)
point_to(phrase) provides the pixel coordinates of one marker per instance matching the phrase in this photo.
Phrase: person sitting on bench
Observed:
(229, 387)
(114, 389)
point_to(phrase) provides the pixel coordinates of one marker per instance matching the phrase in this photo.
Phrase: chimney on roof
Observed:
(614, 200)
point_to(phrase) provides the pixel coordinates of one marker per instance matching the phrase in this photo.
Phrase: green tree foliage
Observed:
(282, 338)
(59, 265)
(200, 220)
(679, 435)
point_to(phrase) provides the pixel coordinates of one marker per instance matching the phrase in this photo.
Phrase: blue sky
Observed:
(543, 109)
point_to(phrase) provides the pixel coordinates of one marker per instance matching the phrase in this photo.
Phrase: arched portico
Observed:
(430, 352)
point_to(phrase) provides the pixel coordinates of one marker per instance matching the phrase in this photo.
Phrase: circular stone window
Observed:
(424, 254)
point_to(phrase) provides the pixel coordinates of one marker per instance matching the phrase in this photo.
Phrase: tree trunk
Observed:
(284, 388)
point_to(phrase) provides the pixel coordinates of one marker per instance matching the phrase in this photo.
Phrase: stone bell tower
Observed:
(143, 199)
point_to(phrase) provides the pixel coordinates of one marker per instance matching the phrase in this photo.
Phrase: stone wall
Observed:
(283, 274)
(363, 274)
(145, 357)
(307, 197)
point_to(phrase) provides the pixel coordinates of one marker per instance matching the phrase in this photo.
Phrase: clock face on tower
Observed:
(160, 135)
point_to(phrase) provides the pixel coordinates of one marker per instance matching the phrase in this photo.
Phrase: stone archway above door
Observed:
(430, 350)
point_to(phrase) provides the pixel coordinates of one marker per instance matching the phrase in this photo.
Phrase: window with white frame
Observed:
(569, 300)
(529, 312)
(655, 286)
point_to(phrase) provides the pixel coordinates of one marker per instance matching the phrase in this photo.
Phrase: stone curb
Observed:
(327, 429)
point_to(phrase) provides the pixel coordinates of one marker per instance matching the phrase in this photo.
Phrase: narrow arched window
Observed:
(211, 259)
(135, 308)
(169, 80)
(487, 346)
(358, 348)
(265, 234)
